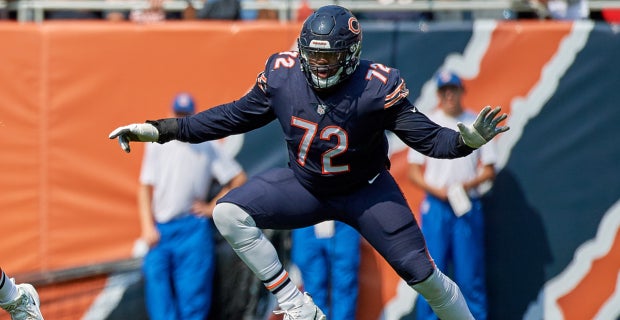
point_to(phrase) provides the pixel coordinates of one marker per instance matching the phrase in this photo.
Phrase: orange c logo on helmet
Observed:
(354, 25)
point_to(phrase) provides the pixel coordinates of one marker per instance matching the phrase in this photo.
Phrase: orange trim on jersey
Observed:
(261, 81)
(401, 83)
(396, 95)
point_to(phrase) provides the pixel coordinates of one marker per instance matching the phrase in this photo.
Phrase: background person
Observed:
(328, 257)
(451, 214)
(174, 183)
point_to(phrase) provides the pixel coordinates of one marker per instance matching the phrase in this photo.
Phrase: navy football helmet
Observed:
(330, 45)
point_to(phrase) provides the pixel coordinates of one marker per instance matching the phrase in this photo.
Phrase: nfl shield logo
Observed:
(320, 109)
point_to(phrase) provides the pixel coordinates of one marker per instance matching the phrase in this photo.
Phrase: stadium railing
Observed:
(81, 272)
(34, 10)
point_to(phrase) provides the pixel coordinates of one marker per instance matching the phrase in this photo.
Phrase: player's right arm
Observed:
(251, 111)
(248, 113)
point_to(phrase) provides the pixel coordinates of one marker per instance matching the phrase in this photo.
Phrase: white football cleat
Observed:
(307, 311)
(26, 306)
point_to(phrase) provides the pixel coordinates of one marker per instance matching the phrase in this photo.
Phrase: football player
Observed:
(333, 109)
(20, 300)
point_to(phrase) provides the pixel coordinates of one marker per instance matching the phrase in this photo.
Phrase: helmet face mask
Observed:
(325, 67)
(329, 46)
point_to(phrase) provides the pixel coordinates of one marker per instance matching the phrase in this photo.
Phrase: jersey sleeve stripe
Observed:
(398, 94)
(401, 84)
(261, 81)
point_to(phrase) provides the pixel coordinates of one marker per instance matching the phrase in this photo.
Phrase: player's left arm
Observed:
(422, 134)
(413, 127)
(427, 137)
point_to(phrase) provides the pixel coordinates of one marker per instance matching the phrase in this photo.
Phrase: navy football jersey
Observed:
(336, 139)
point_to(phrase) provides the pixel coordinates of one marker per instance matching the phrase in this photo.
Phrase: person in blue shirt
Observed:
(175, 180)
(328, 258)
(452, 216)
(333, 109)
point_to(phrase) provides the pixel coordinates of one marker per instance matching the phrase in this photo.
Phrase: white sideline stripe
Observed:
(466, 65)
(522, 110)
(611, 308)
(111, 295)
(574, 273)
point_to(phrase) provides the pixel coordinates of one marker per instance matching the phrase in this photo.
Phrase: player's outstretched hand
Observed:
(484, 128)
(144, 132)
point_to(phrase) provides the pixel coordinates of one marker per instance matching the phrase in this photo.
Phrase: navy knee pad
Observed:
(414, 267)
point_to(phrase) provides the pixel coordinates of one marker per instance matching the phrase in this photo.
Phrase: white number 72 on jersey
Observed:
(327, 133)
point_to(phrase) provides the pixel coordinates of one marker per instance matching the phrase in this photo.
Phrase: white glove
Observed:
(144, 132)
(484, 128)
